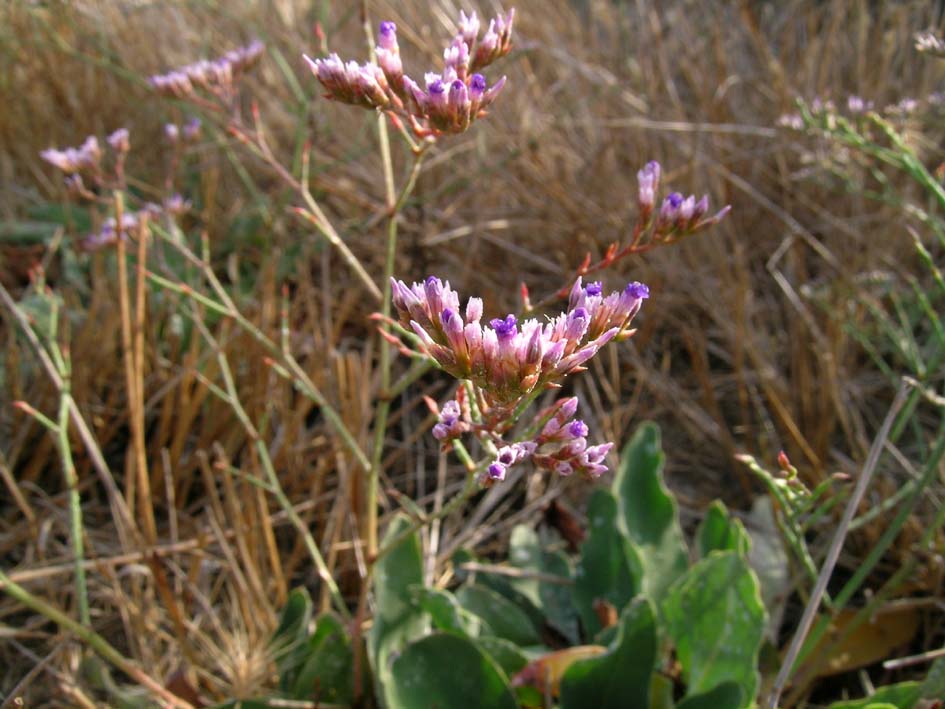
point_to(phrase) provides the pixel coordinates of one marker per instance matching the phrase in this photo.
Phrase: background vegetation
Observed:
(784, 328)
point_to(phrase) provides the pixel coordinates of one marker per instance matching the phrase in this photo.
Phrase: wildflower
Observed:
(87, 157)
(217, 76)
(857, 106)
(360, 85)
(928, 43)
(507, 456)
(496, 42)
(450, 424)
(681, 216)
(793, 121)
(191, 131)
(507, 359)
(388, 55)
(108, 233)
(561, 446)
(447, 102)
(649, 183)
(119, 141)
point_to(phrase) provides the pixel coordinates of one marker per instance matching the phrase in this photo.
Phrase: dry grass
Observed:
(732, 354)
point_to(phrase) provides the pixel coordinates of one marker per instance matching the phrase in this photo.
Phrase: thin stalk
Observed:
(119, 506)
(226, 307)
(833, 553)
(75, 503)
(272, 478)
(138, 479)
(395, 204)
(92, 639)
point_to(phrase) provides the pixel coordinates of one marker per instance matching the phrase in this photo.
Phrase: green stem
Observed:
(75, 503)
(395, 204)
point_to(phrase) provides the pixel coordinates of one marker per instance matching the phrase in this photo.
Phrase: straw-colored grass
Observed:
(745, 344)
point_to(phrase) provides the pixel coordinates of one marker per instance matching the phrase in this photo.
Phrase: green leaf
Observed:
(553, 599)
(727, 695)
(661, 692)
(397, 620)
(720, 531)
(902, 696)
(556, 599)
(609, 568)
(647, 512)
(769, 561)
(934, 685)
(498, 583)
(447, 614)
(288, 641)
(525, 553)
(715, 617)
(327, 672)
(505, 618)
(443, 671)
(506, 654)
(621, 677)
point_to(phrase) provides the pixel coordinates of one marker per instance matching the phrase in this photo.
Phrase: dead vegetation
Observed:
(748, 343)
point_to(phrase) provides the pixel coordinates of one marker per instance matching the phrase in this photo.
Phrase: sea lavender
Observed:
(508, 362)
(506, 359)
(448, 101)
(85, 158)
(928, 43)
(217, 76)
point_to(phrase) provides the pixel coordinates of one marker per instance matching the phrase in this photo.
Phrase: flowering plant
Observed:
(451, 100)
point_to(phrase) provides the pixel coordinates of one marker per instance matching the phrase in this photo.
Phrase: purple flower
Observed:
(216, 76)
(508, 359)
(119, 141)
(649, 182)
(505, 328)
(468, 27)
(450, 424)
(450, 100)
(87, 157)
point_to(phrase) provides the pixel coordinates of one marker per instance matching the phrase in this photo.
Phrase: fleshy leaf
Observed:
(647, 512)
(621, 677)
(727, 695)
(553, 599)
(716, 620)
(447, 614)
(506, 654)
(289, 639)
(327, 670)
(397, 620)
(505, 618)
(447, 672)
(903, 695)
(609, 568)
(720, 531)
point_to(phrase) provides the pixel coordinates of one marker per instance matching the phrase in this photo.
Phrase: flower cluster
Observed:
(448, 102)
(216, 76)
(928, 43)
(505, 359)
(677, 215)
(85, 158)
(86, 161)
(508, 362)
(561, 446)
(189, 132)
